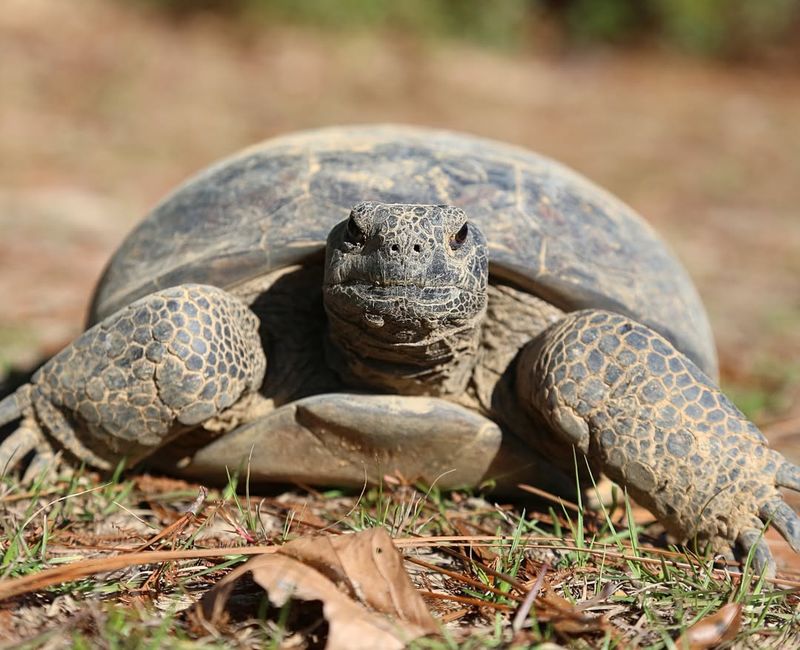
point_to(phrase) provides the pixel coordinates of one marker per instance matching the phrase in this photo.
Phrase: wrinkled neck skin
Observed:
(405, 356)
(405, 294)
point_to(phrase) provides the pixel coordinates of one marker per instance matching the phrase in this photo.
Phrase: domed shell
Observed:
(550, 231)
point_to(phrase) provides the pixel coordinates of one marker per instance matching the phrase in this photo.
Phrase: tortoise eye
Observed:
(354, 234)
(460, 237)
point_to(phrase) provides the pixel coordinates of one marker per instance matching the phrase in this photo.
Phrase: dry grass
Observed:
(104, 109)
(91, 564)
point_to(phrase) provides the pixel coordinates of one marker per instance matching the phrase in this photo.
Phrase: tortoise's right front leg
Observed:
(127, 386)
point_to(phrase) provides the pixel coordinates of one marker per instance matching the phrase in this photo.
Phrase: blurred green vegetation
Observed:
(724, 28)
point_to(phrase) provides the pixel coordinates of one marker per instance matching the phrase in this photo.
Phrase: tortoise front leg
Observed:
(644, 414)
(127, 386)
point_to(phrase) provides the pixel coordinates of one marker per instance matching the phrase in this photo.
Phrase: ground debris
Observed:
(710, 631)
(367, 598)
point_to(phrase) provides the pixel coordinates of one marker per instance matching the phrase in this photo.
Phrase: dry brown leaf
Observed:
(338, 571)
(370, 568)
(713, 629)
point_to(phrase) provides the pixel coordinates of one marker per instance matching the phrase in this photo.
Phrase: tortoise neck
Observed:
(428, 359)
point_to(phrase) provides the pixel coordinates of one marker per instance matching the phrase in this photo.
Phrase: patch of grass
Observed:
(731, 28)
(597, 582)
(766, 386)
(15, 341)
(768, 389)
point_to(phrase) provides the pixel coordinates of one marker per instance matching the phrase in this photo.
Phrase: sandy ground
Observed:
(104, 109)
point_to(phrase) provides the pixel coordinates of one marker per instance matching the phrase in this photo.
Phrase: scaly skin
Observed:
(131, 383)
(645, 415)
(405, 295)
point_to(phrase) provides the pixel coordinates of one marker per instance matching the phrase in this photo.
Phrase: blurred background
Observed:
(689, 110)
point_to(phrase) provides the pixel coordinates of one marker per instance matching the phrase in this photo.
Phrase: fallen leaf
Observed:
(713, 629)
(370, 568)
(347, 574)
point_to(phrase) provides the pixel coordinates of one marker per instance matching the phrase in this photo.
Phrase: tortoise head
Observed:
(405, 293)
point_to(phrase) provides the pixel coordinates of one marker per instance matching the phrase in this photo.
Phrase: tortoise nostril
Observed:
(417, 248)
(394, 248)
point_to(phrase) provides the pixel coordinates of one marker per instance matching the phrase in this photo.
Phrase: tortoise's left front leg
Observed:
(644, 414)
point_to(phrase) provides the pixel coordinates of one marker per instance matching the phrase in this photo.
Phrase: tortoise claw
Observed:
(788, 476)
(752, 541)
(26, 438)
(16, 446)
(785, 520)
(42, 464)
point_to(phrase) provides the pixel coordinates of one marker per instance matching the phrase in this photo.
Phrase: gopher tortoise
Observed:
(478, 312)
